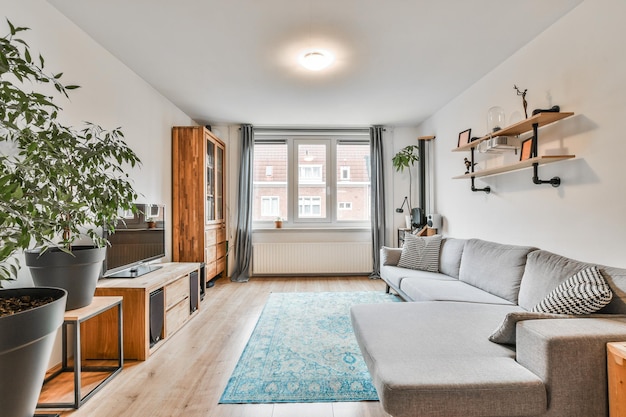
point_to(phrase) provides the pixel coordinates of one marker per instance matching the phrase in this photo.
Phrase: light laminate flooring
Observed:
(187, 375)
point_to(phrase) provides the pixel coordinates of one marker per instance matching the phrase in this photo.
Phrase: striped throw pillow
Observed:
(420, 253)
(583, 293)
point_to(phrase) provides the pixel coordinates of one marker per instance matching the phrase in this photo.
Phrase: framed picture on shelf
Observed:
(464, 137)
(526, 149)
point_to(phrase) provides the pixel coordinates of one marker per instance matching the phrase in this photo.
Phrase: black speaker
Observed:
(434, 221)
(157, 315)
(193, 291)
(416, 217)
(202, 280)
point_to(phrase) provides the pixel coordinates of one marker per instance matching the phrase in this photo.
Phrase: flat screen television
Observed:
(138, 239)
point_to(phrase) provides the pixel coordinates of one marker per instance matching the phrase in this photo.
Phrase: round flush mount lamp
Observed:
(316, 60)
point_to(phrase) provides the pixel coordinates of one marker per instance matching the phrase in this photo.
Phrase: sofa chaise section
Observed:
(435, 359)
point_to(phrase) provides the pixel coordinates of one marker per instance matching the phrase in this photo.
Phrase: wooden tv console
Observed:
(173, 278)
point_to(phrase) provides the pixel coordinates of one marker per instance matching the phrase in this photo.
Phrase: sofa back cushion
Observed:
(545, 271)
(494, 267)
(450, 256)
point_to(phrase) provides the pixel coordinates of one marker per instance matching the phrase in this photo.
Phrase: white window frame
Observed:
(293, 139)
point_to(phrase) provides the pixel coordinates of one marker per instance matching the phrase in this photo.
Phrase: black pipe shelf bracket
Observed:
(474, 189)
(554, 181)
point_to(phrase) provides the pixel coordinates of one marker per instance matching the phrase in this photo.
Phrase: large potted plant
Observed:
(59, 185)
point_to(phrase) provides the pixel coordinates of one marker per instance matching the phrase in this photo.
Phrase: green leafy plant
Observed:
(406, 158)
(57, 183)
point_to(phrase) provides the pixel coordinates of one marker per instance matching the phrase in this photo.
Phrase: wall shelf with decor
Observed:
(531, 124)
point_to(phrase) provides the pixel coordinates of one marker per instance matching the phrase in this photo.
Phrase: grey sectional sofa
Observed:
(433, 357)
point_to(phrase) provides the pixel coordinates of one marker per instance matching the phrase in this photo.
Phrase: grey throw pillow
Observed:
(505, 333)
(420, 253)
(583, 293)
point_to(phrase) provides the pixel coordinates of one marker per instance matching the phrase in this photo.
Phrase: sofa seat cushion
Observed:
(394, 275)
(436, 289)
(434, 359)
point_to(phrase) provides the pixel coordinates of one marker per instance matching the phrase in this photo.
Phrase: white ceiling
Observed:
(235, 61)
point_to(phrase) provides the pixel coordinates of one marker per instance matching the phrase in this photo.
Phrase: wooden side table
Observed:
(98, 375)
(616, 368)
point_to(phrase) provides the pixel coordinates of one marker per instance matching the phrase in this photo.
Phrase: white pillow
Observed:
(583, 293)
(420, 252)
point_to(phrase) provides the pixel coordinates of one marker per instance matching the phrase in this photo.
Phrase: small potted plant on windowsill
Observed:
(278, 222)
(151, 222)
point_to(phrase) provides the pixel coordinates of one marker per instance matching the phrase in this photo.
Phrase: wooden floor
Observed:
(188, 374)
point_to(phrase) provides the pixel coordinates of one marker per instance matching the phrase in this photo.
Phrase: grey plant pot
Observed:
(77, 273)
(25, 347)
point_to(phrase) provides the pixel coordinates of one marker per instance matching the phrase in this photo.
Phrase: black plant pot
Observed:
(77, 273)
(25, 348)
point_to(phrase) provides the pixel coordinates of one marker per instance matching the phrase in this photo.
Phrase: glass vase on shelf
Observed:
(496, 119)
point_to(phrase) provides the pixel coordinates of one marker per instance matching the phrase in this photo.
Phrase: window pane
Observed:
(353, 182)
(312, 180)
(270, 181)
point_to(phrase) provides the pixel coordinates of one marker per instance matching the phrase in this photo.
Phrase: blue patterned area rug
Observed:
(303, 350)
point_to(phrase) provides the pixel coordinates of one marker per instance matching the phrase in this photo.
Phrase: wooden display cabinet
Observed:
(198, 183)
(173, 279)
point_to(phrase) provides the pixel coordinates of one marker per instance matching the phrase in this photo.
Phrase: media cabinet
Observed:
(176, 289)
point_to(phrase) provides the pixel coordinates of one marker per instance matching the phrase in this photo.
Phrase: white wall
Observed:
(111, 95)
(579, 64)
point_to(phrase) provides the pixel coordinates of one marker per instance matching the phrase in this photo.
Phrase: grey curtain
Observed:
(243, 238)
(378, 196)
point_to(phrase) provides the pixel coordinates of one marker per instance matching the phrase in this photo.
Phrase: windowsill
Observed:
(310, 229)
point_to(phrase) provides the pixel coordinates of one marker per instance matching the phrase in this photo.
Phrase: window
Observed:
(270, 206)
(269, 181)
(310, 173)
(344, 173)
(310, 206)
(309, 178)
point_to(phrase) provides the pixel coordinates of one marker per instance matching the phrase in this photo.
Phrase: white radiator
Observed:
(312, 258)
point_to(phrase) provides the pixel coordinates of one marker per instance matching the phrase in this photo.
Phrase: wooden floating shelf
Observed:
(519, 128)
(540, 160)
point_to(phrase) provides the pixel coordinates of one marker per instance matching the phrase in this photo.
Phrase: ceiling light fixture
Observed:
(316, 60)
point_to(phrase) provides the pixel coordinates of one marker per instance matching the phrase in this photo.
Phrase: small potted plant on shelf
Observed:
(278, 222)
(151, 222)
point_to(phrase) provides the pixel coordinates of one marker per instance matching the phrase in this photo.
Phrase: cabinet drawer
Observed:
(220, 266)
(210, 254)
(210, 269)
(221, 250)
(221, 234)
(176, 316)
(210, 237)
(176, 291)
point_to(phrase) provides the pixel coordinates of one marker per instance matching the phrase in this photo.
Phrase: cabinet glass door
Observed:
(219, 186)
(210, 181)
